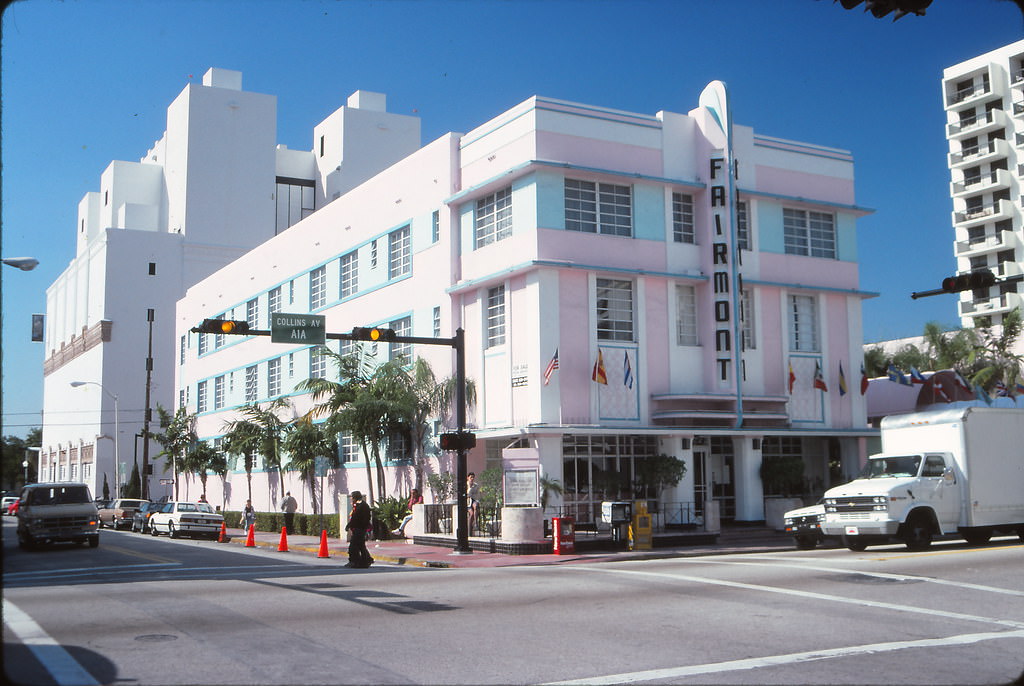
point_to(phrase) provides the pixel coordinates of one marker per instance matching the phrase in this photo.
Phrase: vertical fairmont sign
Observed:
(723, 171)
(306, 329)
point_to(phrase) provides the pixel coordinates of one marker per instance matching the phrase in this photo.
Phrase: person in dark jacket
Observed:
(358, 523)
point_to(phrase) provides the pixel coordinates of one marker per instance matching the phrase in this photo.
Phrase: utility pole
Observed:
(147, 417)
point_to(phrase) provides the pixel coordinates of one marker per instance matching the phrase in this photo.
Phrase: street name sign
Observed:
(298, 329)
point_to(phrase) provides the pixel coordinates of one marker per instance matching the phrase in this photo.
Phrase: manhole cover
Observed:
(871, 579)
(156, 638)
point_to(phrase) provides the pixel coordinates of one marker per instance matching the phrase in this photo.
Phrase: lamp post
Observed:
(25, 264)
(117, 430)
(25, 462)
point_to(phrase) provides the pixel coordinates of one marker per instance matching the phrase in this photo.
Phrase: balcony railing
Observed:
(964, 94)
(1000, 304)
(977, 215)
(992, 119)
(979, 154)
(1000, 240)
(995, 180)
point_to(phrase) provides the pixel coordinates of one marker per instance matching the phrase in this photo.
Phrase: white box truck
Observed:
(956, 470)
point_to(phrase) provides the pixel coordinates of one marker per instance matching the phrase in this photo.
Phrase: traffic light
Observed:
(232, 326)
(375, 334)
(980, 278)
(457, 440)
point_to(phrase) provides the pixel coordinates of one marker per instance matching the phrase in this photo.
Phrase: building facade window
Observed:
(809, 233)
(317, 364)
(181, 355)
(201, 397)
(294, 202)
(218, 393)
(597, 468)
(747, 321)
(398, 448)
(399, 253)
(349, 274)
(252, 313)
(598, 208)
(742, 226)
(494, 217)
(437, 322)
(803, 323)
(435, 226)
(318, 288)
(273, 301)
(401, 351)
(686, 315)
(348, 449)
(251, 383)
(495, 316)
(274, 377)
(682, 218)
(614, 310)
(204, 344)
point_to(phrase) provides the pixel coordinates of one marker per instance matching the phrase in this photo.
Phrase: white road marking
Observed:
(879, 575)
(65, 669)
(805, 594)
(675, 673)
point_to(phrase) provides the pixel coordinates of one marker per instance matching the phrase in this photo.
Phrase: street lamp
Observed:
(25, 264)
(25, 462)
(117, 430)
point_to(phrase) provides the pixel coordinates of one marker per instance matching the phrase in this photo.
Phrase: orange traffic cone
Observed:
(323, 544)
(223, 533)
(250, 540)
(282, 547)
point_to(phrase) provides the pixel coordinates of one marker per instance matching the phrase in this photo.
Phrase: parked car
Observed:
(177, 518)
(54, 512)
(7, 502)
(120, 512)
(804, 524)
(140, 520)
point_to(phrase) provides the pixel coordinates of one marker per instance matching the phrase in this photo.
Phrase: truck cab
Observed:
(907, 497)
(55, 512)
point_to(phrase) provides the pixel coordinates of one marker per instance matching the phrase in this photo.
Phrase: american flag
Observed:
(552, 366)
(627, 371)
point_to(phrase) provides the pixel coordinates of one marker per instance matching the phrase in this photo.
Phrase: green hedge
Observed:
(305, 524)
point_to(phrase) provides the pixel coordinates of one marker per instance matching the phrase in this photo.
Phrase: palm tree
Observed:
(177, 436)
(242, 437)
(201, 459)
(432, 399)
(306, 443)
(258, 431)
(995, 359)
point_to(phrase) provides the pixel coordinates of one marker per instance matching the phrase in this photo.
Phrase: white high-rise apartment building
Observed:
(214, 186)
(984, 102)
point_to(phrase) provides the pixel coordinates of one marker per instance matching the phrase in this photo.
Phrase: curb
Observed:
(407, 561)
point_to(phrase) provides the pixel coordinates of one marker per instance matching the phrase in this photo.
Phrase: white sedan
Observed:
(189, 519)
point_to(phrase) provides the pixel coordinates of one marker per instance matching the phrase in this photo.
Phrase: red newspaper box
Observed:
(563, 532)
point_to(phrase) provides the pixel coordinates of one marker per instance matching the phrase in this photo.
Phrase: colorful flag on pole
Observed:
(599, 375)
(1001, 390)
(552, 366)
(792, 378)
(863, 380)
(916, 376)
(842, 381)
(938, 388)
(819, 380)
(961, 381)
(627, 371)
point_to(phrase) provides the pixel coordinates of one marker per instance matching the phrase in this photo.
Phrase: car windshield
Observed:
(203, 507)
(131, 503)
(59, 495)
(897, 466)
(186, 507)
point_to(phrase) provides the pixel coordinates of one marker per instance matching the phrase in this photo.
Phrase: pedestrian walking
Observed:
(472, 500)
(288, 507)
(248, 516)
(358, 523)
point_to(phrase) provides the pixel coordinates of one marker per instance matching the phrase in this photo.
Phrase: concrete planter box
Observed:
(522, 524)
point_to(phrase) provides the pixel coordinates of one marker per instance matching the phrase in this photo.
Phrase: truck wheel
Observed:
(94, 541)
(25, 541)
(976, 536)
(806, 542)
(917, 532)
(854, 544)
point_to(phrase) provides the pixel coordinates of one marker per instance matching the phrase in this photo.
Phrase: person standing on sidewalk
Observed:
(289, 506)
(472, 500)
(358, 523)
(248, 516)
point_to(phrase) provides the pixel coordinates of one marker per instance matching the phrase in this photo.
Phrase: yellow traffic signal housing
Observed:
(374, 334)
(230, 326)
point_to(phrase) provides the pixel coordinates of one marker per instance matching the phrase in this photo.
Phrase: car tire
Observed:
(172, 531)
(152, 530)
(94, 541)
(25, 541)
(806, 542)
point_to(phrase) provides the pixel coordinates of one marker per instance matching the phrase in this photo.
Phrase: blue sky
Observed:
(87, 82)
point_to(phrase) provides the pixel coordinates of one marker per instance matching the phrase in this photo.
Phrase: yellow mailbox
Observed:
(640, 536)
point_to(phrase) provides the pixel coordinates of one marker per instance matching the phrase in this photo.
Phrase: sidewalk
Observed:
(402, 552)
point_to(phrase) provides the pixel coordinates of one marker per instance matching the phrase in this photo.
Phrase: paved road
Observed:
(138, 610)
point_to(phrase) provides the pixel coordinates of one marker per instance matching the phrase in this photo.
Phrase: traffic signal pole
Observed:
(373, 334)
